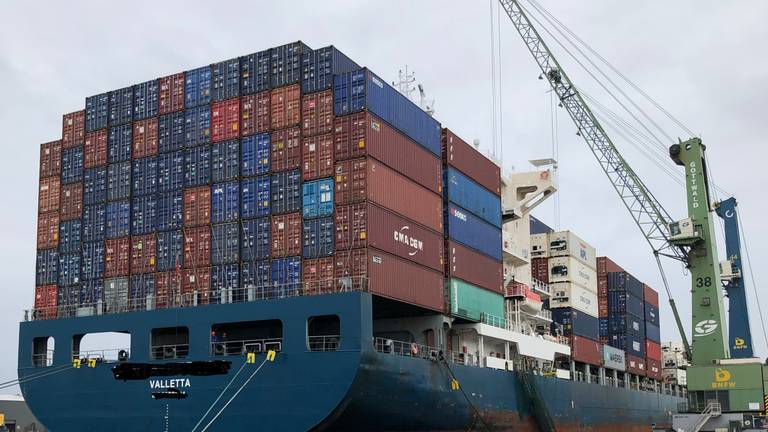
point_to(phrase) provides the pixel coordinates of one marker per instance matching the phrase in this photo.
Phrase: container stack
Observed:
(652, 333)
(674, 363)
(473, 260)
(284, 171)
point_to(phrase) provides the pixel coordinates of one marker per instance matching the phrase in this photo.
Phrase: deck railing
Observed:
(242, 347)
(323, 342)
(166, 352)
(103, 355)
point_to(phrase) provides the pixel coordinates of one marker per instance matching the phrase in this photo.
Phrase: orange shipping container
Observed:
(225, 120)
(73, 129)
(48, 230)
(285, 106)
(71, 201)
(652, 350)
(317, 157)
(317, 275)
(50, 159)
(197, 206)
(457, 153)
(606, 265)
(586, 350)
(167, 289)
(117, 257)
(317, 113)
(286, 235)
(145, 138)
(286, 149)
(196, 286)
(95, 151)
(143, 254)
(46, 299)
(49, 194)
(171, 96)
(254, 113)
(636, 365)
(197, 247)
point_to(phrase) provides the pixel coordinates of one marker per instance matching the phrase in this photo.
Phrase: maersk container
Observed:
(225, 161)
(70, 236)
(319, 66)
(118, 219)
(623, 281)
(285, 192)
(317, 238)
(254, 196)
(651, 314)
(119, 143)
(225, 202)
(225, 243)
(144, 177)
(472, 303)
(116, 294)
(225, 79)
(170, 214)
(317, 198)
(619, 323)
(362, 89)
(286, 275)
(254, 72)
(95, 186)
(197, 126)
(225, 284)
(121, 106)
(93, 260)
(69, 269)
(197, 88)
(255, 154)
(197, 166)
(170, 250)
(467, 194)
(145, 100)
(47, 267)
(170, 134)
(92, 292)
(285, 63)
(72, 165)
(473, 232)
(653, 332)
(142, 286)
(170, 171)
(144, 215)
(94, 222)
(633, 345)
(575, 322)
(614, 358)
(255, 274)
(96, 112)
(255, 241)
(620, 302)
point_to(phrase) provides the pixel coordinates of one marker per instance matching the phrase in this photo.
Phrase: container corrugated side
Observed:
(254, 72)
(457, 153)
(473, 232)
(255, 197)
(317, 275)
(94, 150)
(471, 302)
(171, 132)
(73, 129)
(636, 365)
(255, 157)
(197, 247)
(473, 267)
(319, 66)
(572, 295)
(225, 161)
(586, 350)
(570, 269)
(575, 322)
(255, 113)
(566, 243)
(50, 159)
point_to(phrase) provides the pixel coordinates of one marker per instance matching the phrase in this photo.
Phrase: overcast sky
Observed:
(703, 60)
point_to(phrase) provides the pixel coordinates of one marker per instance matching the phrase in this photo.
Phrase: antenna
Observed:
(424, 103)
(404, 84)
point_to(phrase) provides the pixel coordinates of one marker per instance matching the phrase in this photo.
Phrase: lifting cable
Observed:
(455, 382)
(752, 276)
(219, 397)
(32, 377)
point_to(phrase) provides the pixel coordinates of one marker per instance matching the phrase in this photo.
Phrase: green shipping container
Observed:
(470, 302)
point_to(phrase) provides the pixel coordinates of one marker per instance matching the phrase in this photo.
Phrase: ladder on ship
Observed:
(538, 406)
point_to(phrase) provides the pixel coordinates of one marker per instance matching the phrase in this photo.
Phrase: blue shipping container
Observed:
(94, 222)
(285, 192)
(70, 236)
(473, 232)
(67, 296)
(651, 314)
(69, 269)
(119, 143)
(72, 165)
(142, 286)
(170, 210)
(255, 239)
(575, 322)
(225, 284)
(255, 154)
(170, 132)
(631, 344)
(626, 324)
(286, 276)
(118, 219)
(603, 327)
(197, 126)
(225, 161)
(170, 250)
(623, 281)
(225, 243)
(256, 274)
(145, 100)
(197, 88)
(96, 112)
(318, 237)
(317, 198)
(653, 332)
(93, 260)
(95, 186)
(624, 302)
(225, 78)
(362, 89)
(121, 106)
(254, 72)
(225, 202)
(255, 197)
(119, 181)
(467, 194)
(47, 267)
(92, 292)
(144, 215)
(197, 166)
(170, 171)
(285, 64)
(319, 66)
(144, 176)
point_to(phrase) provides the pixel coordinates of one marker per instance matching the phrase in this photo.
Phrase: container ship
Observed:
(291, 244)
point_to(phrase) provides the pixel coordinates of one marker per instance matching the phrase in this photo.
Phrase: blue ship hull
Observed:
(352, 388)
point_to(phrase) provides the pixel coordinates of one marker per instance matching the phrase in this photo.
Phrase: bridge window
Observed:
(170, 343)
(239, 338)
(103, 346)
(323, 333)
(42, 351)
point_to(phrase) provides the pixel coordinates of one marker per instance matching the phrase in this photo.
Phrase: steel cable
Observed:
(219, 397)
(752, 277)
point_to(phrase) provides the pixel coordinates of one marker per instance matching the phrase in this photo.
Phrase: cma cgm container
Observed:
(566, 243)
(460, 155)
(473, 267)
(363, 90)
(575, 322)
(473, 303)
(319, 66)
(572, 295)
(586, 350)
(473, 232)
(469, 195)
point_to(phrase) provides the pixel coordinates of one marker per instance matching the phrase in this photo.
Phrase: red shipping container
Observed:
(73, 129)
(286, 235)
(364, 134)
(197, 281)
(143, 254)
(653, 369)
(366, 224)
(46, 300)
(317, 276)
(50, 159)
(360, 179)
(317, 113)
(586, 350)
(286, 149)
(225, 120)
(167, 288)
(540, 269)
(197, 206)
(71, 201)
(171, 96)
(471, 162)
(602, 286)
(606, 265)
(48, 230)
(117, 257)
(391, 277)
(285, 106)
(197, 247)
(651, 296)
(254, 113)
(49, 194)
(317, 157)
(145, 138)
(95, 151)
(475, 268)
(652, 350)
(636, 365)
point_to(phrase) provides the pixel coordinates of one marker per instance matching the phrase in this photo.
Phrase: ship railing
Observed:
(178, 298)
(495, 321)
(412, 349)
(43, 359)
(540, 286)
(103, 355)
(323, 342)
(171, 351)
(245, 346)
